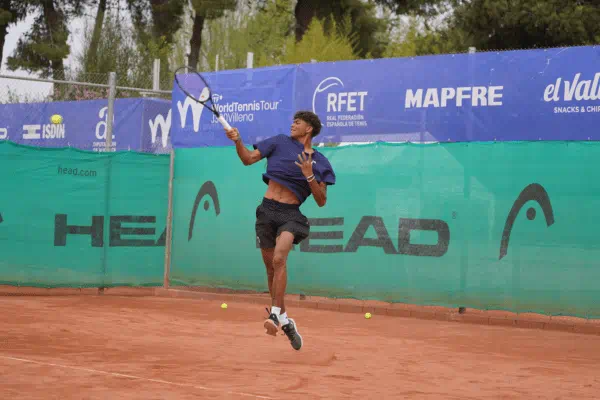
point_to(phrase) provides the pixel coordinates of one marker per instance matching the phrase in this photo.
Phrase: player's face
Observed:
(299, 128)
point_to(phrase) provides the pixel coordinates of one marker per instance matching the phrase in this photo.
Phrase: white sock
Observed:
(284, 319)
(275, 310)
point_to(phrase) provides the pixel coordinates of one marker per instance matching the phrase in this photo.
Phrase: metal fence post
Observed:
(112, 94)
(169, 227)
(156, 75)
(250, 60)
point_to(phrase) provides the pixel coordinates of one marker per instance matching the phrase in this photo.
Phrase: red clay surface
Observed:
(176, 348)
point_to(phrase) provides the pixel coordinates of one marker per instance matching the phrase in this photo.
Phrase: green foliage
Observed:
(516, 24)
(211, 9)
(269, 35)
(425, 8)
(340, 44)
(119, 50)
(365, 26)
(6, 16)
(415, 38)
(43, 48)
(235, 34)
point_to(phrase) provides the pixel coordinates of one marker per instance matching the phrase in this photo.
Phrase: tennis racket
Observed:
(192, 82)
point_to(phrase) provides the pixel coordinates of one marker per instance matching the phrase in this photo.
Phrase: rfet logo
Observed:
(343, 106)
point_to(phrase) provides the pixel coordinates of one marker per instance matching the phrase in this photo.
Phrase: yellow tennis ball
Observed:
(368, 315)
(224, 305)
(56, 119)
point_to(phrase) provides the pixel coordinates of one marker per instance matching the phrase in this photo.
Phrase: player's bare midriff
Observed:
(280, 193)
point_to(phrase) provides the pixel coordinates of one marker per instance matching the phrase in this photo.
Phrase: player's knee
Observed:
(279, 261)
(270, 271)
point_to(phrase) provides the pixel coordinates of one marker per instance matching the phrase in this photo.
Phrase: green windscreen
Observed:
(487, 225)
(76, 219)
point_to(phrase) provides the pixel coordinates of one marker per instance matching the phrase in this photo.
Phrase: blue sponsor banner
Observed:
(259, 102)
(156, 128)
(495, 96)
(138, 124)
(549, 94)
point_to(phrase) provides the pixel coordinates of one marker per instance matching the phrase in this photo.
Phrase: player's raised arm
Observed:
(248, 157)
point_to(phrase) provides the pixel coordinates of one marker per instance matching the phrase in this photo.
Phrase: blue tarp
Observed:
(139, 124)
(550, 94)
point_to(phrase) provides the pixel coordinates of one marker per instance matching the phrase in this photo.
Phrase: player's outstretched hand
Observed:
(233, 134)
(305, 164)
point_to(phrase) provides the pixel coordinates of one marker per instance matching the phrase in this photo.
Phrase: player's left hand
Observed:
(305, 164)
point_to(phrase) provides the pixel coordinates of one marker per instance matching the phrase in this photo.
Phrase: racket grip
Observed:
(224, 123)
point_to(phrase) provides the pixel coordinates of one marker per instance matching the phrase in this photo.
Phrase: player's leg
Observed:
(291, 233)
(267, 256)
(266, 236)
(283, 246)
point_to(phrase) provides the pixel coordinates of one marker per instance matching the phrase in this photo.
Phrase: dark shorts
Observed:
(273, 217)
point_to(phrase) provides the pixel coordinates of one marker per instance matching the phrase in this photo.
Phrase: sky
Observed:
(76, 27)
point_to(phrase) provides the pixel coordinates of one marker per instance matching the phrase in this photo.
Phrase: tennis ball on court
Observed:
(368, 315)
(224, 305)
(56, 119)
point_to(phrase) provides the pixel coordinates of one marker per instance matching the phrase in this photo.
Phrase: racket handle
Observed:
(224, 123)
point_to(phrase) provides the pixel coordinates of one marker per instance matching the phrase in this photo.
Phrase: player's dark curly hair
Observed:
(310, 118)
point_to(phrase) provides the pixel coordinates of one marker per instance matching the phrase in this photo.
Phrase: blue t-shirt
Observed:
(281, 152)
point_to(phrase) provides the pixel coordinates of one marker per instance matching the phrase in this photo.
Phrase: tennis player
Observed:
(294, 171)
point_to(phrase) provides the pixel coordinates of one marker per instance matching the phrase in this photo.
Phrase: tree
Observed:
(517, 24)
(366, 27)
(423, 8)
(205, 10)
(156, 23)
(117, 50)
(417, 38)
(262, 30)
(93, 47)
(337, 44)
(11, 12)
(163, 20)
(45, 46)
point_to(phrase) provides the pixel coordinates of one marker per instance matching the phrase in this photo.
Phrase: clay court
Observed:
(157, 347)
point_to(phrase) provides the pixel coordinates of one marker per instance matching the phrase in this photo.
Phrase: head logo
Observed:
(3, 133)
(535, 192)
(207, 189)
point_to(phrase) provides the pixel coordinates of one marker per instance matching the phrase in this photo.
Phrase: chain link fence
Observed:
(88, 103)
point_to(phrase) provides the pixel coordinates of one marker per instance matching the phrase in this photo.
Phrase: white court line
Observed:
(134, 377)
